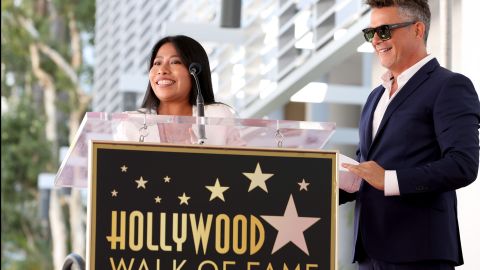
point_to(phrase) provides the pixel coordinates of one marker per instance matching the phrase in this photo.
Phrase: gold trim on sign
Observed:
(93, 203)
(334, 213)
(218, 150)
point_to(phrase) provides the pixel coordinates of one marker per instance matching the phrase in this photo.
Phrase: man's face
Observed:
(402, 50)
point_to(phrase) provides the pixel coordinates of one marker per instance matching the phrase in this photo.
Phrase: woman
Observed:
(172, 91)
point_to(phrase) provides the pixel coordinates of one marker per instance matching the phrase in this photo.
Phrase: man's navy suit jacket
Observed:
(429, 135)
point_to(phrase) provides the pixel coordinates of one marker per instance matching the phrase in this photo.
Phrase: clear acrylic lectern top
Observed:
(150, 128)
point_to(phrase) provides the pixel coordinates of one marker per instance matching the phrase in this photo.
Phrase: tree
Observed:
(42, 54)
(25, 153)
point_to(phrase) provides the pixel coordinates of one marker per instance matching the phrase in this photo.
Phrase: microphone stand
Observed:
(200, 107)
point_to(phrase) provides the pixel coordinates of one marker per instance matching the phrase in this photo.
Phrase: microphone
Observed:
(195, 69)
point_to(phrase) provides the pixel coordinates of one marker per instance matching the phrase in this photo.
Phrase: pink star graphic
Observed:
(290, 227)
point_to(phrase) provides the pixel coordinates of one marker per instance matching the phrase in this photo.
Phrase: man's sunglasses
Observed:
(384, 32)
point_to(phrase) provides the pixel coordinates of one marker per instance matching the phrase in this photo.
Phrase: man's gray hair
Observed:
(417, 10)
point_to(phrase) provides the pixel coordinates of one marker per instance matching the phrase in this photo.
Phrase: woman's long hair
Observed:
(190, 51)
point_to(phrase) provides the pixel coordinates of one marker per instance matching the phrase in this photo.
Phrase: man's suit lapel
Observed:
(369, 124)
(410, 87)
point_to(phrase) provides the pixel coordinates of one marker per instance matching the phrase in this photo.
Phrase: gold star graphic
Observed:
(167, 179)
(141, 182)
(290, 227)
(114, 193)
(124, 168)
(258, 178)
(184, 199)
(158, 199)
(303, 185)
(217, 191)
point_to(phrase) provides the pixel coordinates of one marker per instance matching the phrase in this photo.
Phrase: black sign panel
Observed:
(194, 207)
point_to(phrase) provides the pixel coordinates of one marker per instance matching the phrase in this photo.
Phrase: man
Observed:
(418, 144)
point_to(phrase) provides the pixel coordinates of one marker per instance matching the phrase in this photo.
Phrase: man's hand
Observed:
(370, 171)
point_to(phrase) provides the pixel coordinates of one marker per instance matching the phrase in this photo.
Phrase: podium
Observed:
(257, 194)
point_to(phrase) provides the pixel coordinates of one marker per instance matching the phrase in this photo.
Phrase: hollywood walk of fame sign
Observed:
(197, 207)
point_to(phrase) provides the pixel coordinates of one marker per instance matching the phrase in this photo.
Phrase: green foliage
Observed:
(15, 51)
(25, 240)
(25, 153)
(53, 32)
(83, 10)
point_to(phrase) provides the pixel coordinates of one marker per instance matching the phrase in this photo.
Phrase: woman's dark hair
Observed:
(189, 51)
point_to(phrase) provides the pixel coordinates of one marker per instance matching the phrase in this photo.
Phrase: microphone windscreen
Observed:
(195, 68)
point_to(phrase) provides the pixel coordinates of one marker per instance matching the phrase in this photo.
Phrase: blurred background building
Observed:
(268, 58)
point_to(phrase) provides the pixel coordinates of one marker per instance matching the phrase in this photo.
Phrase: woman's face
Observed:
(169, 76)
